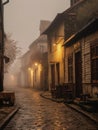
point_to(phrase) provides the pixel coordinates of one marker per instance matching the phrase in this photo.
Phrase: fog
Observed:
(21, 20)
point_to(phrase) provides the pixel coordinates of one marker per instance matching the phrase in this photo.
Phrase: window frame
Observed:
(94, 61)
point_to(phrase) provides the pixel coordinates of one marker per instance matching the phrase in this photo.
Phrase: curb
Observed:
(74, 108)
(83, 113)
(51, 99)
(8, 118)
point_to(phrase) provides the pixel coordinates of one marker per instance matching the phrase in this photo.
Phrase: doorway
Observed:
(78, 74)
(53, 76)
(58, 72)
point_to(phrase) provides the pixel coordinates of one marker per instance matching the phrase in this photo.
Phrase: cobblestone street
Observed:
(37, 113)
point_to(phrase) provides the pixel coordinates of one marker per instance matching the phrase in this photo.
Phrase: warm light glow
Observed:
(36, 64)
(32, 70)
(40, 67)
(54, 44)
(29, 69)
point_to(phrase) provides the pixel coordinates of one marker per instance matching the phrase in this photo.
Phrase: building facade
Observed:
(38, 60)
(82, 60)
(2, 42)
(35, 62)
(1, 46)
(55, 54)
(64, 68)
(77, 67)
(24, 74)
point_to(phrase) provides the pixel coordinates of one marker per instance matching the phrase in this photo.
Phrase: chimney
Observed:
(43, 25)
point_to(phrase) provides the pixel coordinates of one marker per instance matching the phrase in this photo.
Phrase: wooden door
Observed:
(78, 74)
(58, 72)
(53, 76)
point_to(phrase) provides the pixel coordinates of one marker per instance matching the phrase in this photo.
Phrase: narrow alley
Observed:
(48, 46)
(37, 113)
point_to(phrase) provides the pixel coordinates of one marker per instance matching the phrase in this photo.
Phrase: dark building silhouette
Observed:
(2, 43)
(74, 2)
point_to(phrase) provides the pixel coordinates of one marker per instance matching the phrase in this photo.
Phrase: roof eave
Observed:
(91, 27)
(61, 16)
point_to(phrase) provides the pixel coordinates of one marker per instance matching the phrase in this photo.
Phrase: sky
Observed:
(22, 18)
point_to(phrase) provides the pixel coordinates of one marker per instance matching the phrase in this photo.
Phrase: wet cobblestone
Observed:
(37, 113)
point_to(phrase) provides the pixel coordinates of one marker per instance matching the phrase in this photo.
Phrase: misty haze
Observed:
(49, 65)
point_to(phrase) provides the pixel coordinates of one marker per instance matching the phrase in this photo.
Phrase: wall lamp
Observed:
(36, 64)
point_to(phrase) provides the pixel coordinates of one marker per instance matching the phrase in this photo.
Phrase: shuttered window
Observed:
(94, 61)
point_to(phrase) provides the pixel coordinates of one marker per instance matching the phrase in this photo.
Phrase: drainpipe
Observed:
(2, 43)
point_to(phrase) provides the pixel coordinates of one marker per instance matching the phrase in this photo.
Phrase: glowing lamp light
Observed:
(36, 64)
(29, 69)
(54, 44)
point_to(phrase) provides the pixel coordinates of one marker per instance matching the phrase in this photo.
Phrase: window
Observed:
(94, 61)
(70, 69)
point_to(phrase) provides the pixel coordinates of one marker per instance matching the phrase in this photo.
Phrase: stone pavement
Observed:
(37, 113)
(6, 113)
(93, 116)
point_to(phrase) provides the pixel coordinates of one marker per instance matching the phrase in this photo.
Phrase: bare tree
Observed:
(11, 51)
